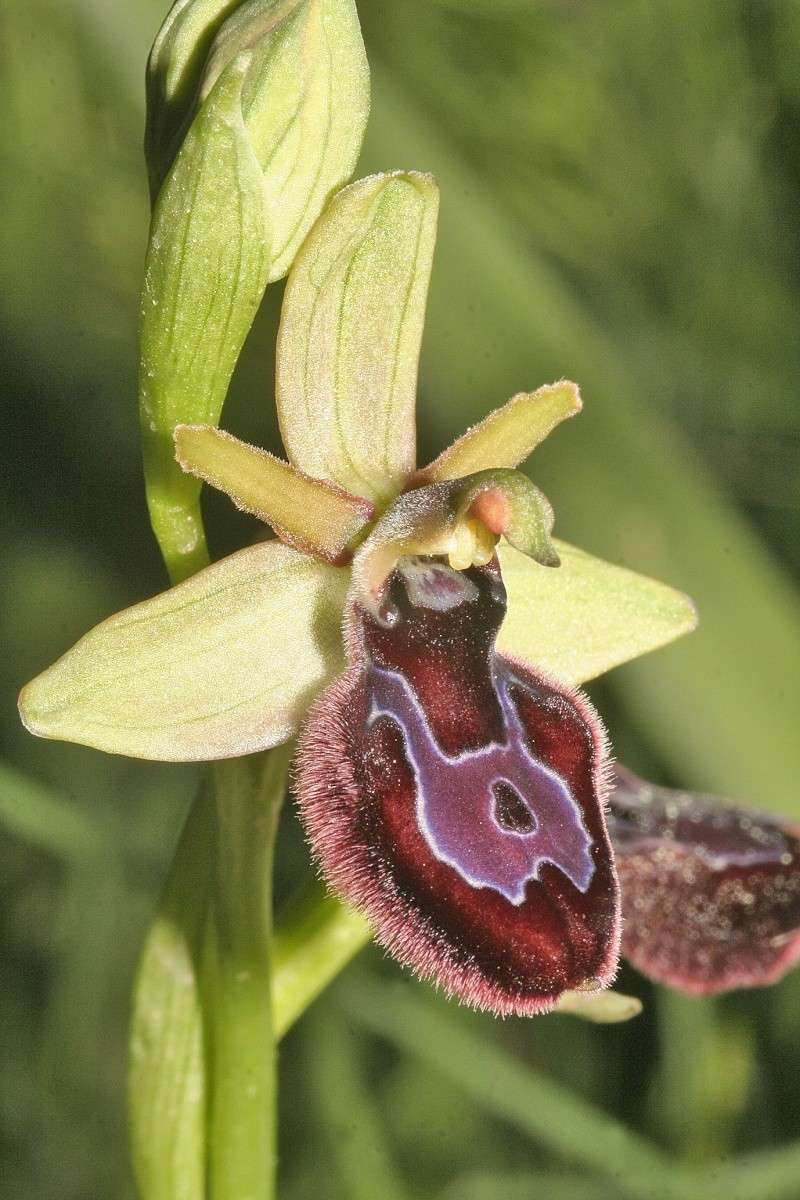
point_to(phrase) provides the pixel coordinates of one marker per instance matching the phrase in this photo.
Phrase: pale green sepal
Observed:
(174, 70)
(309, 514)
(224, 664)
(350, 334)
(205, 273)
(602, 1007)
(508, 435)
(586, 617)
(305, 105)
(168, 1073)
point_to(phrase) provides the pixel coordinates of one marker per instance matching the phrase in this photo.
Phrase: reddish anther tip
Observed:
(457, 798)
(493, 509)
(710, 892)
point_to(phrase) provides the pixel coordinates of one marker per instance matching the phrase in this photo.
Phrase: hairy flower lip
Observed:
(369, 869)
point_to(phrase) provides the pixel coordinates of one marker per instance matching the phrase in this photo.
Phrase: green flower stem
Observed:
(177, 522)
(242, 1127)
(315, 939)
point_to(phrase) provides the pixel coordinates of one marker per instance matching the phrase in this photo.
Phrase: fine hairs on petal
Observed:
(507, 956)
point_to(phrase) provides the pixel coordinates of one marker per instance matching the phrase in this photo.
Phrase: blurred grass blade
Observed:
(350, 334)
(32, 811)
(508, 435)
(706, 1071)
(315, 938)
(168, 1072)
(224, 664)
(510, 1091)
(763, 1175)
(348, 1110)
(205, 273)
(309, 514)
(586, 616)
(527, 1185)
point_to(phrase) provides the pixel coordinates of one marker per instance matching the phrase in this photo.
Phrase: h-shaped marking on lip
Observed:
(455, 800)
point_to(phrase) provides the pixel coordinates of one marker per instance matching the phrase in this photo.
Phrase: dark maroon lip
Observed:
(401, 765)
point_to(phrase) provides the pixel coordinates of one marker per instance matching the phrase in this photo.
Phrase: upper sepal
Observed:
(457, 798)
(349, 339)
(710, 892)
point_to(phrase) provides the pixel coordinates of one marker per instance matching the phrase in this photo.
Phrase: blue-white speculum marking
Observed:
(456, 803)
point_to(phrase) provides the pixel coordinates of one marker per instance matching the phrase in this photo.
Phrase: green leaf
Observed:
(174, 70)
(587, 616)
(350, 334)
(305, 105)
(508, 435)
(168, 1071)
(509, 1090)
(206, 270)
(315, 517)
(224, 664)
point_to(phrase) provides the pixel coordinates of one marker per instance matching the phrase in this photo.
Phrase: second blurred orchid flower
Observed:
(453, 783)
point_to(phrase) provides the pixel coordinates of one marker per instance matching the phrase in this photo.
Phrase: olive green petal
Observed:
(586, 616)
(315, 517)
(508, 435)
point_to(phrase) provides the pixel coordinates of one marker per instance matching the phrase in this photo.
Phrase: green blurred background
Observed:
(619, 205)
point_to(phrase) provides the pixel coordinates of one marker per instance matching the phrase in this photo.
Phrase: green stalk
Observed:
(315, 939)
(242, 1124)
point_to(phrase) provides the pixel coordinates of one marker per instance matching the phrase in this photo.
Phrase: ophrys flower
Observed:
(452, 781)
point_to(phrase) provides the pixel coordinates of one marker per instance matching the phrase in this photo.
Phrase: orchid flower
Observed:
(424, 635)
